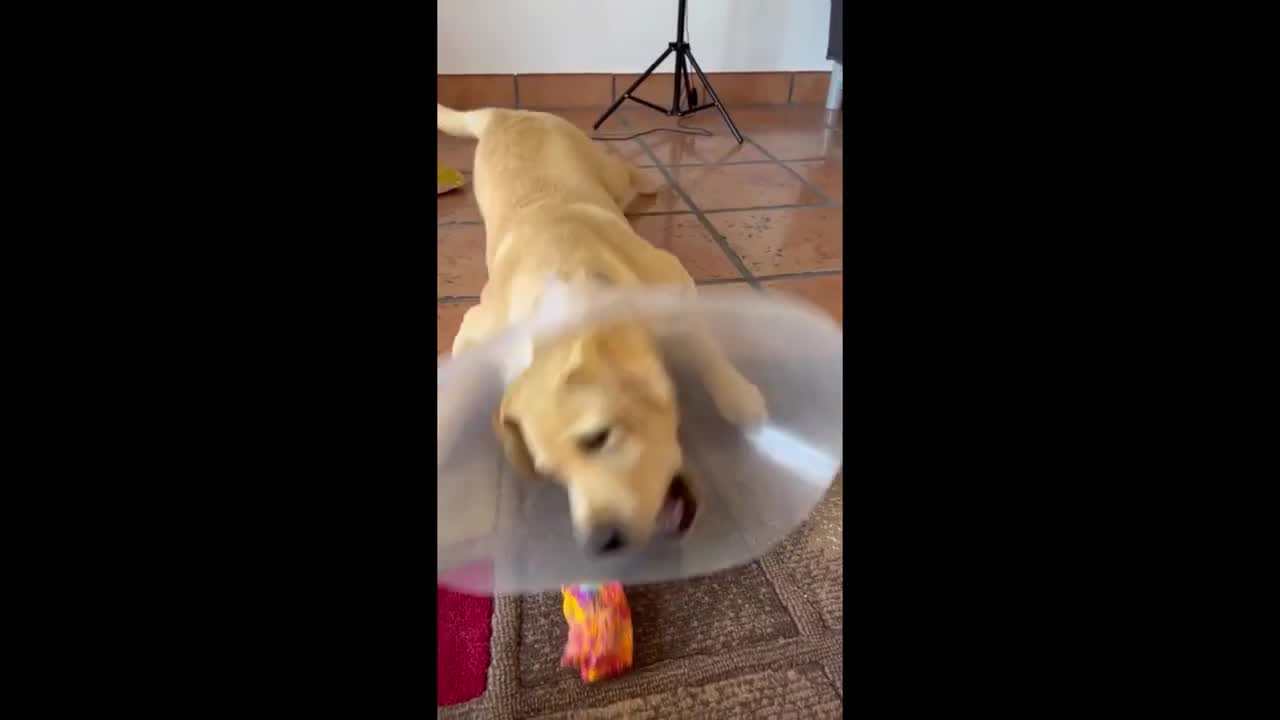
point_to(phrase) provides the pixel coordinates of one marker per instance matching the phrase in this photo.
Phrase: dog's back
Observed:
(528, 160)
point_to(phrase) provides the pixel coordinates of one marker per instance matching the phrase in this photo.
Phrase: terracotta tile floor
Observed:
(766, 215)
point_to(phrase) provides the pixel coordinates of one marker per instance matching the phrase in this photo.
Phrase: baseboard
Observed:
(592, 90)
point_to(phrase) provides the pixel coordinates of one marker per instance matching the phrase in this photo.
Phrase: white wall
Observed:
(624, 36)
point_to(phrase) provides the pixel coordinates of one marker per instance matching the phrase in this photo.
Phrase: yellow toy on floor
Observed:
(448, 179)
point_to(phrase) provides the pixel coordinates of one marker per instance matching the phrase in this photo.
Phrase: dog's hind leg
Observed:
(639, 183)
(625, 181)
(646, 183)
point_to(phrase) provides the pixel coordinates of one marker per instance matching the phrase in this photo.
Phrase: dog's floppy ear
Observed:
(640, 373)
(512, 439)
(650, 382)
(582, 364)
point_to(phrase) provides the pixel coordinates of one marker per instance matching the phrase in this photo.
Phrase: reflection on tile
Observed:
(686, 238)
(448, 320)
(460, 260)
(826, 175)
(825, 291)
(786, 117)
(458, 205)
(775, 242)
(679, 149)
(797, 144)
(716, 187)
(640, 118)
(793, 117)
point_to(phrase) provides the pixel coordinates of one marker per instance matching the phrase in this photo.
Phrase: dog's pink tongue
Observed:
(669, 517)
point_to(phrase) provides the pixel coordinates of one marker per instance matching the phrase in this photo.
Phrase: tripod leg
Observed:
(706, 85)
(681, 72)
(629, 90)
(688, 91)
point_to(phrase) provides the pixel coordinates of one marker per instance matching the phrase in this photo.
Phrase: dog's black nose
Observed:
(605, 539)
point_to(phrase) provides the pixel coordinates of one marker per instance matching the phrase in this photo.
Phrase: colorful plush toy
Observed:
(599, 630)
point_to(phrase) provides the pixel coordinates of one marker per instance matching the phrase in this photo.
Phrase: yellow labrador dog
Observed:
(595, 410)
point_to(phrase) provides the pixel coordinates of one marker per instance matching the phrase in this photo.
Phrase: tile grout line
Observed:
(657, 213)
(723, 281)
(804, 275)
(740, 162)
(717, 211)
(794, 206)
(697, 212)
(826, 200)
(807, 274)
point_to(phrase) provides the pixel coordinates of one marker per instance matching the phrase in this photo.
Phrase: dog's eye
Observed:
(593, 442)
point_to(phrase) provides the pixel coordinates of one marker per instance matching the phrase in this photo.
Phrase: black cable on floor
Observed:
(681, 129)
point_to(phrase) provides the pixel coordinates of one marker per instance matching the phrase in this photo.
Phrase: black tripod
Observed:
(681, 49)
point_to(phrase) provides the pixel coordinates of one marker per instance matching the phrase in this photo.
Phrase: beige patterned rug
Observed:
(760, 641)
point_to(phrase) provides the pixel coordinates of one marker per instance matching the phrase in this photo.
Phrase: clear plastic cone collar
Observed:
(500, 531)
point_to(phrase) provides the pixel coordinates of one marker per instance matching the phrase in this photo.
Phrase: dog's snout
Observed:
(605, 539)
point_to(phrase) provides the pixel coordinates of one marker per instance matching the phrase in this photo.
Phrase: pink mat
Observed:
(462, 645)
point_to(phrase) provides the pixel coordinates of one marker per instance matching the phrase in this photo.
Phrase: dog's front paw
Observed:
(742, 404)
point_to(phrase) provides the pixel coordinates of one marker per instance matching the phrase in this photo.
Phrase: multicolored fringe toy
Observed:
(599, 630)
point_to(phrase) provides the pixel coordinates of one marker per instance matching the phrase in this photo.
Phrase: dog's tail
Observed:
(470, 124)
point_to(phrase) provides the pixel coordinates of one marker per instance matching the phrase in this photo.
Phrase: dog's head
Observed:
(597, 413)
